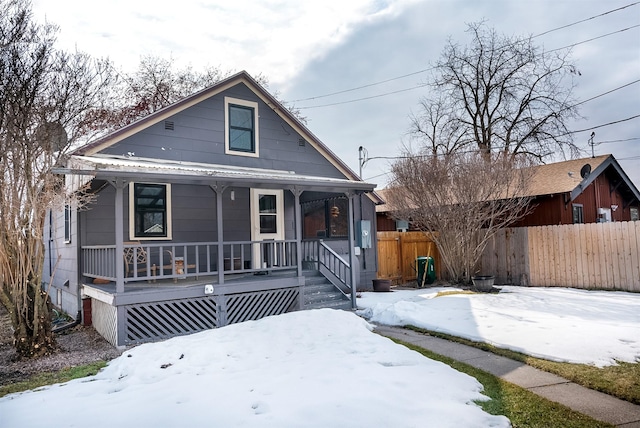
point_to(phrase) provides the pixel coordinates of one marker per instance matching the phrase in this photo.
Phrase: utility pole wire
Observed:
(431, 68)
(595, 38)
(585, 20)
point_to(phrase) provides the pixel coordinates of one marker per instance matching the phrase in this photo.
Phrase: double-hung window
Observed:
(241, 127)
(150, 211)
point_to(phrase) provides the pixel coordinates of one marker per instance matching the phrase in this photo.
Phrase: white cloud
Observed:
(275, 37)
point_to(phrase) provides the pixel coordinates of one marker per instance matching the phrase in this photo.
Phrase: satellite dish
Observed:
(585, 170)
(53, 135)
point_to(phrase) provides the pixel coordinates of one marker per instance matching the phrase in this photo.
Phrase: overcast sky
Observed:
(311, 49)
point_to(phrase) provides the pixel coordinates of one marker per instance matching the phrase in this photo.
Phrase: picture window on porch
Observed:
(326, 218)
(578, 213)
(241, 127)
(150, 211)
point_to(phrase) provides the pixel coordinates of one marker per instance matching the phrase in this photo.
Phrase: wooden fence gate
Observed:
(398, 251)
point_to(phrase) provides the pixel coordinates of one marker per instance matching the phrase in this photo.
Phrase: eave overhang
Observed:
(111, 168)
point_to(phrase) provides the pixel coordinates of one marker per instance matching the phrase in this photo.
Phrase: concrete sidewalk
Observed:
(599, 406)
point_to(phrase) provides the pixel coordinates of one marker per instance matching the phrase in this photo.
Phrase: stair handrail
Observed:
(334, 264)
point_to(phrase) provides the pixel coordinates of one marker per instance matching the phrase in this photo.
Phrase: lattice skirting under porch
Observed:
(154, 321)
(105, 320)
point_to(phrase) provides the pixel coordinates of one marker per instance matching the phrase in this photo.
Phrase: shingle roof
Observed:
(561, 177)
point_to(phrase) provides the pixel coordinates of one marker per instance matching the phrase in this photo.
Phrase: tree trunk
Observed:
(33, 335)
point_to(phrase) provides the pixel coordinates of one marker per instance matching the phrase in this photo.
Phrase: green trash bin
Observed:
(426, 271)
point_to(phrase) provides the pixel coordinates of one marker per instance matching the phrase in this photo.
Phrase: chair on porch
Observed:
(178, 262)
(136, 256)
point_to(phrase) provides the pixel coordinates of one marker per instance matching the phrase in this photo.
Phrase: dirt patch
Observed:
(77, 346)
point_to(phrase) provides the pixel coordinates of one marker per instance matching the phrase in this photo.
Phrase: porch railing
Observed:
(153, 261)
(330, 263)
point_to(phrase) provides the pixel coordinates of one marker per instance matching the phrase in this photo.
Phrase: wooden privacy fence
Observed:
(595, 255)
(398, 251)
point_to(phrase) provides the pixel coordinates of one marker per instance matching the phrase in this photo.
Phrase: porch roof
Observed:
(111, 167)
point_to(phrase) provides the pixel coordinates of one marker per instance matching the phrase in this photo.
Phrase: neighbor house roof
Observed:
(242, 77)
(572, 176)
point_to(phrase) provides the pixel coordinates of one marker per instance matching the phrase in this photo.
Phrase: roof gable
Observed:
(562, 177)
(239, 78)
(574, 176)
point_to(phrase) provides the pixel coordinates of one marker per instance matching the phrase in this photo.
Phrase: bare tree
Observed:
(499, 94)
(45, 99)
(438, 129)
(462, 200)
(157, 83)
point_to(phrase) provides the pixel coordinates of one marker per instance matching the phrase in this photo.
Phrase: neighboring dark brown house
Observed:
(587, 190)
(384, 220)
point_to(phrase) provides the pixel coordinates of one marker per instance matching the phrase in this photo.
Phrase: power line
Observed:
(585, 20)
(364, 86)
(364, 98)
(500, 148)
(603, 125)
(595, 38)
(605, 93)
(619, 141)
(431, 68)
(424, 84)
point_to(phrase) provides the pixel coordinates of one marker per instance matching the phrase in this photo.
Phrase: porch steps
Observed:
(320, 293)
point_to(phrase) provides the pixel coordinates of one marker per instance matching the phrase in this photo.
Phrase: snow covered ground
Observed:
(325, 368)
(320, 368)
(561, 324)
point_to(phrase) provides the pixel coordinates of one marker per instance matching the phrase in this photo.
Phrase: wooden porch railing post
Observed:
(298, 217)
(219, 190)
(119, 235)
(350, 224)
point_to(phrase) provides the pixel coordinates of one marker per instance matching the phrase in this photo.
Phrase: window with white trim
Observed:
(149, 211)
(241, 135)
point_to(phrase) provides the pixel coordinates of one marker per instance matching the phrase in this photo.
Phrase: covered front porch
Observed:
(175, 300)
(257, 264)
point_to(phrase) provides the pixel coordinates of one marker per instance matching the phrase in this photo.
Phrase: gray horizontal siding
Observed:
(198, 136)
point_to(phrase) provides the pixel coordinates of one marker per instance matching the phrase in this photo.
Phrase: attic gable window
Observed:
(149, 211)
(241, 127)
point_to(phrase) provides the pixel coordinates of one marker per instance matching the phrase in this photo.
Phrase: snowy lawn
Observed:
(559, 324)
(320, 368)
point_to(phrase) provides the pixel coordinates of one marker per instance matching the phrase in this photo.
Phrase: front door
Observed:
(267, 223)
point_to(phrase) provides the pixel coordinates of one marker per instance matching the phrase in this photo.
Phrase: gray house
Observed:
(220, 208)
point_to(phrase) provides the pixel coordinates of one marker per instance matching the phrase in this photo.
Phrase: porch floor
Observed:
(181, 283)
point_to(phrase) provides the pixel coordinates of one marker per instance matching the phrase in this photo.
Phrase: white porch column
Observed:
(119, 223)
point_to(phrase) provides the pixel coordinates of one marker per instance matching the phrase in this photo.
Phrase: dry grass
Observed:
(622, 380)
